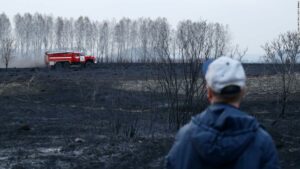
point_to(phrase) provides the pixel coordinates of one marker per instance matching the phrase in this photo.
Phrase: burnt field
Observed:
(107, 117)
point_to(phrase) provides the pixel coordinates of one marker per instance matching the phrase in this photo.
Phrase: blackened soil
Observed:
(91, 119)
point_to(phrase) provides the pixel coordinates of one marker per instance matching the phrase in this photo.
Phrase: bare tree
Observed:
(167, 76)
(180, 58)
(283, 53)
(7, 48)
(195, 45)
(79, 33)
(220, 39)
(5, 26)
(237, 53)
(39, 29)
(28, 32)
(59, 25)
(103, 41)
(120, 40)
(133, 39)
(18, 22)
(88, 35)
(144, 30)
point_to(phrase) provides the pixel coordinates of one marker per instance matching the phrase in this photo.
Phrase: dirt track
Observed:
(88, 119)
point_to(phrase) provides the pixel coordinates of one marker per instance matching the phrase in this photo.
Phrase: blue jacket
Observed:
(222, 137)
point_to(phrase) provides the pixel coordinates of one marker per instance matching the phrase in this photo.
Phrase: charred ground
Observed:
(106, 117)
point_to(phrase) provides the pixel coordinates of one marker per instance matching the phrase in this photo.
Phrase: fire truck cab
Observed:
(64, 59)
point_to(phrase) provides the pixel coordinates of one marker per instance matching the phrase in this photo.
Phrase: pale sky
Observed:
(252, 22)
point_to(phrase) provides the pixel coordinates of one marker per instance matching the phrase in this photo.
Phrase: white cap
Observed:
(224, 72)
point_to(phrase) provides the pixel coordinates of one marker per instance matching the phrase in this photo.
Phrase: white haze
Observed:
(25, 62)
(252, 22)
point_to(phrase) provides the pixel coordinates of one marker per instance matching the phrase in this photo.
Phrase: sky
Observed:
(252, 23)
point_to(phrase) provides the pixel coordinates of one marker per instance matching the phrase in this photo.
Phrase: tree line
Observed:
(124, 40)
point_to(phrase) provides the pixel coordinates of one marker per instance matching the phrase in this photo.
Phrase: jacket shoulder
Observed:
(263, 137)
(185, 131)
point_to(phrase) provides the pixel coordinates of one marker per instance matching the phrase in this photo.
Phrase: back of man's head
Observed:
(226, 78)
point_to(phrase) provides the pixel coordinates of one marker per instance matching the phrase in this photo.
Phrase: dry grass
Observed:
(269, 84)
(259, 84)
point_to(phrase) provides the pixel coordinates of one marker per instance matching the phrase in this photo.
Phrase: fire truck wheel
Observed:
(58, 66)
(88, 64)
(66, 65)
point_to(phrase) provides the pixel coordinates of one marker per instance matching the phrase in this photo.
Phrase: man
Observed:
(222, 136)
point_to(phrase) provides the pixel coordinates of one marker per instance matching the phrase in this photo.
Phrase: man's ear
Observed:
(209, 94)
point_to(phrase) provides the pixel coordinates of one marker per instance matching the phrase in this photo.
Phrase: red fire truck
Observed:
(64, 59)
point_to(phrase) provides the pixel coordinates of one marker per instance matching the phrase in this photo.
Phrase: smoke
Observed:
(24, 62)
